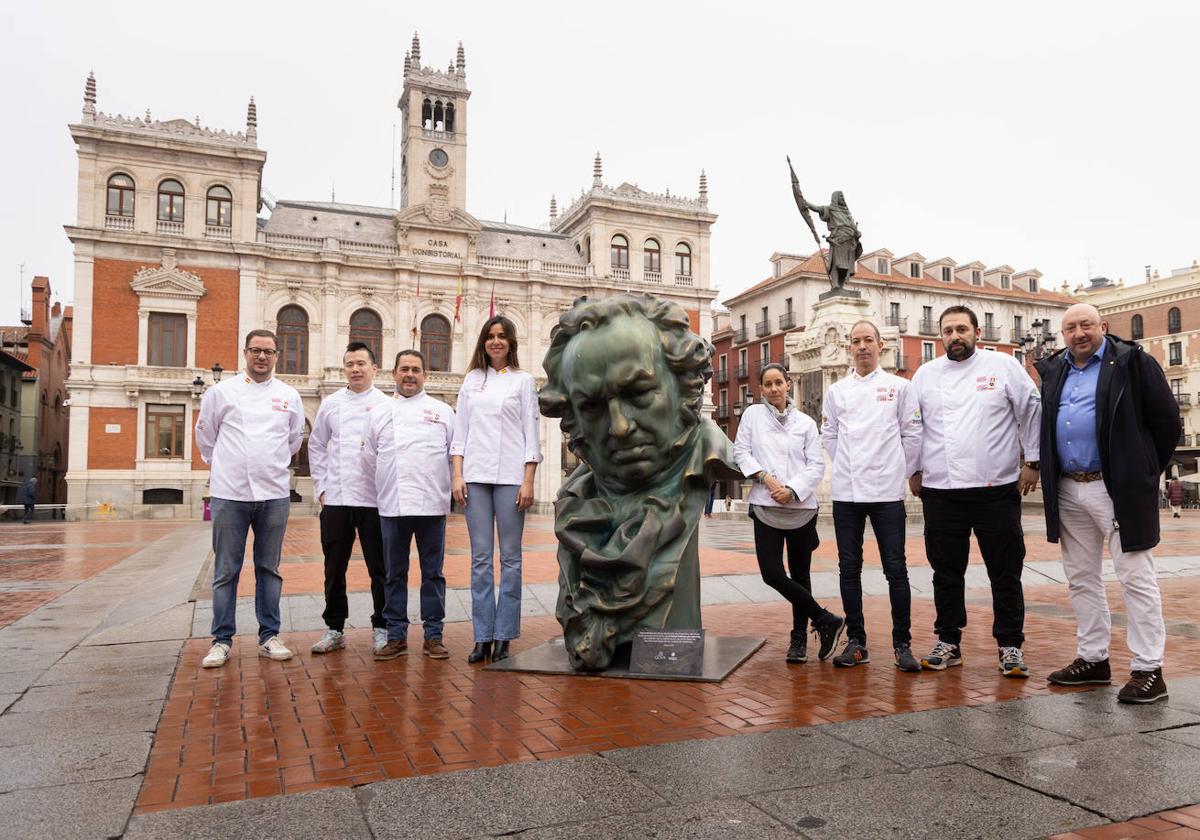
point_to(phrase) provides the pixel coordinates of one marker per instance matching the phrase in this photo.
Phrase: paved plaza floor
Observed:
(109, 727)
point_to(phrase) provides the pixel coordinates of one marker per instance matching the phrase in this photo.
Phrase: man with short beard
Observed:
(980, 410)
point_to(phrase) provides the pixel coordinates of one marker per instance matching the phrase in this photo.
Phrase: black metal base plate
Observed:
(722, 656)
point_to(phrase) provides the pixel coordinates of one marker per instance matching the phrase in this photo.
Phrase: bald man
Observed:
(1109, 426)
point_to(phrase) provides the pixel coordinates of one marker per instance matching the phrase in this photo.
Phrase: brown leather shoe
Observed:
(434, 649)
(393, 649)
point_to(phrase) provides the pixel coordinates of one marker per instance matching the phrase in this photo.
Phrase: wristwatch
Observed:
(1034, 465)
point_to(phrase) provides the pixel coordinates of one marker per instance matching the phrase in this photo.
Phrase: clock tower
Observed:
(433, 144)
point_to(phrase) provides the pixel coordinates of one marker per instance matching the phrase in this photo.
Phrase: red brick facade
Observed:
(112, 450)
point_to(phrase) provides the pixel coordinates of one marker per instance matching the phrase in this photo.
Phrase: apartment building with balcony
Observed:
(906, 295)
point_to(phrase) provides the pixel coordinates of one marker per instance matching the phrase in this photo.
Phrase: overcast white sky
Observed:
(1060, 136)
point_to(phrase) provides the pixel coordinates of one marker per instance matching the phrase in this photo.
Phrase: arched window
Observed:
(366, 327)
(1136, 329)
(220, 207)
(1174, 323)
(653, 256)
(120, 196)
(426, 114)
(435, 342)
(57, 401)
(292, 331)
(587, 249)
(683, 260)
(450, 116)
(170, 201)
(439, 116)
(620, 252)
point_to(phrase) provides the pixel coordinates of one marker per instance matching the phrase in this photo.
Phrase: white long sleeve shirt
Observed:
(872, 432)
(791, 451)
(496, 426)
(335, 447)
(978, 415)
(248, 432)
(408, 452)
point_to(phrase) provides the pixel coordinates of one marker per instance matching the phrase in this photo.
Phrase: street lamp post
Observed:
(1039, 349)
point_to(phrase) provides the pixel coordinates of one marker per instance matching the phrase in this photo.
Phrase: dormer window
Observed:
(946, 274)
(914, 270)
(1005, 281)
(881, 266)
(976, 277)
(1033, 284)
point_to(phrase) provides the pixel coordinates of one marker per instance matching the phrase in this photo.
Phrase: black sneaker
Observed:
(944, 655)
(905, 660)
(829, 631)
(852, 654)
(797, 652)
(1082, 672)
(1144, 687)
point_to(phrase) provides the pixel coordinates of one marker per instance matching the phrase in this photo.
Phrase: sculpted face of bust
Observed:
(627, 402)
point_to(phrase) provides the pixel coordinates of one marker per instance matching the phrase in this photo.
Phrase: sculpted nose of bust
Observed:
(618, 424)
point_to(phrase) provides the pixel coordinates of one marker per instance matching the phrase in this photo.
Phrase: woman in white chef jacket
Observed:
(780, 449)
(494, 457)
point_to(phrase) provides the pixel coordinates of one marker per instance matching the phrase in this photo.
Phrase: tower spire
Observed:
(703, 187)
(407, 62)
(416, 51)
(597, 171)
(461, 61)
(89, 95)
(251, 120)
(553, 208)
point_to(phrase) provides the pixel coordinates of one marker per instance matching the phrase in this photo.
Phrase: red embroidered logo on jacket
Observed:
(985, 383)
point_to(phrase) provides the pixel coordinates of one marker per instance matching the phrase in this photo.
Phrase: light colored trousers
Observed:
(1085, 518)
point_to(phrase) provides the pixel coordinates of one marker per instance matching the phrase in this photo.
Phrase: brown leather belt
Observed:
(1084, 476)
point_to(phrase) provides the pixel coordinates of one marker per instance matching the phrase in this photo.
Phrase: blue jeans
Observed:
(495, 618)
(398, 532)
(231, 521)
(887, 521)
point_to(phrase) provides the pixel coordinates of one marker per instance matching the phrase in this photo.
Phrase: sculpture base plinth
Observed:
(850, 294)
(722, 656)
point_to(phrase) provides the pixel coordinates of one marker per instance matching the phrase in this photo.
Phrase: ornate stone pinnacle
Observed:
(553, 208)
(251, 120)
(450, 69)
(597, 171)
(407, 63)
(461, 61)
(416, 50)
(703, 187)
(89, 95)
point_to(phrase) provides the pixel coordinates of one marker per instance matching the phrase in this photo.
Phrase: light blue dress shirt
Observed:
(1078, 446)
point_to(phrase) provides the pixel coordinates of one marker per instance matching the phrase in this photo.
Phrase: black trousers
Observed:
(338, 526)
(994, 514)
(797, 588)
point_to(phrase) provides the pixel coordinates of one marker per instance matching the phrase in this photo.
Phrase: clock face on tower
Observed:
(439, 158)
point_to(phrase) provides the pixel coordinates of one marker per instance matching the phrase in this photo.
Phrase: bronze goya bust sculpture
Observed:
(626, 376)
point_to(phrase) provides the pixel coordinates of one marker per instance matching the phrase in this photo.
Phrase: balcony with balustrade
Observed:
(722, 375)
(169, 228)
(900, 322)
(743, 371)
(118, 222)
(741, 336)
(927, 326)
(991, 334)
(787, 320)
(762, 328)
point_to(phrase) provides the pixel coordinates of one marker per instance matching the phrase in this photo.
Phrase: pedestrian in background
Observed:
(29, 497)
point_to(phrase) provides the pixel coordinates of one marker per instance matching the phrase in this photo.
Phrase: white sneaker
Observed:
(331, 641)
(275, 649)
(218, 655)
(379, 638)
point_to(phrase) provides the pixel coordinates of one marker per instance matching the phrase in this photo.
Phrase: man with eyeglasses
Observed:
(250, 426)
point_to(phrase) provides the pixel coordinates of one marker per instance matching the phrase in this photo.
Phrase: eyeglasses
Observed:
(261, 351)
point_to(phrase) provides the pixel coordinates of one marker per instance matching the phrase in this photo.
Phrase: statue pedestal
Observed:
(722, 656)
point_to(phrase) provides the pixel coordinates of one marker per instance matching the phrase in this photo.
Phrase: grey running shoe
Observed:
(1012, 663)
(852, 654)
(905, 660)
(378, 638)
(943, 656)
(331, 641)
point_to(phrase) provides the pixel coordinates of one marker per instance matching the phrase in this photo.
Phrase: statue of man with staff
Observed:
(845, 242)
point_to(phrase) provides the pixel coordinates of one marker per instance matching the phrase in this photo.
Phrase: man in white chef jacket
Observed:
(871, 429)
(250, 426)
(408, 447)
(346, 492)
(980, 411)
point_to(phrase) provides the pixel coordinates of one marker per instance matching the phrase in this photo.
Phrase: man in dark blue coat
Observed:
(1109, 426)
(29, 497)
